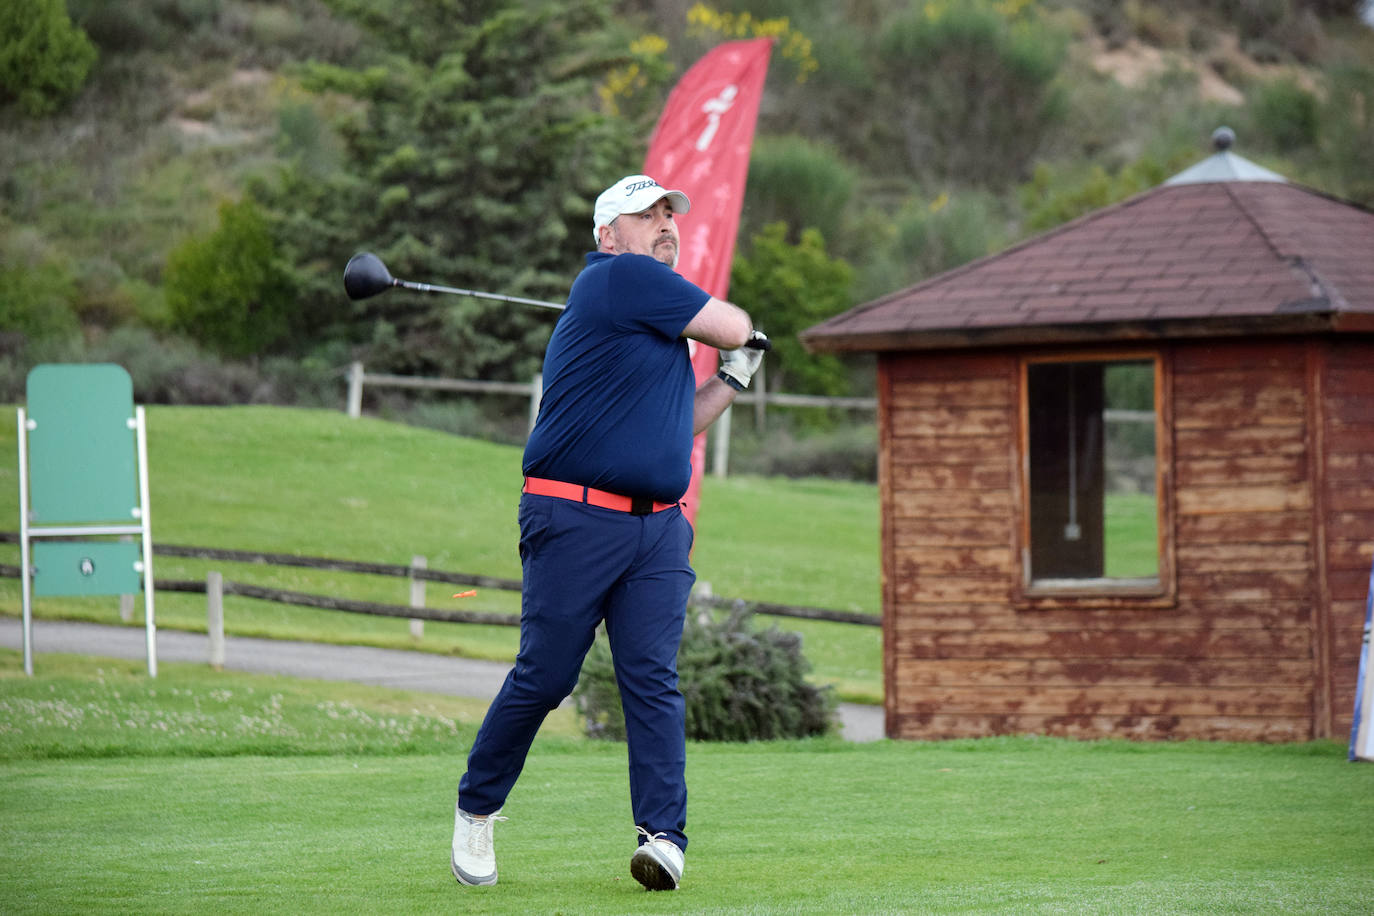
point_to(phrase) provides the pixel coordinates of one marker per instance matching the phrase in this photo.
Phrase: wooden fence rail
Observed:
(302, 599)
(757, 396)
(354, 566)
(413, 572)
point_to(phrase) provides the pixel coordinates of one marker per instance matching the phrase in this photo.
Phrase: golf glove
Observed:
(737, 367)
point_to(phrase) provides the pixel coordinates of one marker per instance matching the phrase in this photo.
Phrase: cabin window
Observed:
(1091, 438)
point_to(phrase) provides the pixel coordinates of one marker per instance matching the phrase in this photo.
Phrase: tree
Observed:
(969, 89)
(472, 153)
(786, 289)
(228, 290)
(798, 182)
(44, 59)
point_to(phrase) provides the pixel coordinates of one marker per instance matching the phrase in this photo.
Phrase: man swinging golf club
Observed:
(602, 535)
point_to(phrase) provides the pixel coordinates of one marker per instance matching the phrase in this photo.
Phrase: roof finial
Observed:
(1224, 165)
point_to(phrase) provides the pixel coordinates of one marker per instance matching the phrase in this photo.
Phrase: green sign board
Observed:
(83, 455)
(85, 568)
(82, 445)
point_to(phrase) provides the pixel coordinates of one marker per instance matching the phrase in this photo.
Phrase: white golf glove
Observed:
(737, 367)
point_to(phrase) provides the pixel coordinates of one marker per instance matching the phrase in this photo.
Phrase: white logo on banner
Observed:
(713, 110)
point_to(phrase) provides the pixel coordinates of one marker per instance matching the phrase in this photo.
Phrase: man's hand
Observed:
(737, 367)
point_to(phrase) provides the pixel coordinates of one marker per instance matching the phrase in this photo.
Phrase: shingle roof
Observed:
(1190, 258)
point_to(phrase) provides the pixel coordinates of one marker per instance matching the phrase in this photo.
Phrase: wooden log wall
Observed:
(1245, 646)
(1346, 372)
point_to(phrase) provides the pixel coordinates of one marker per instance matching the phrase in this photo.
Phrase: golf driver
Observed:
(366, 276)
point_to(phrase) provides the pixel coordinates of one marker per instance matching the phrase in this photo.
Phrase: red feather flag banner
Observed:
(701, 146)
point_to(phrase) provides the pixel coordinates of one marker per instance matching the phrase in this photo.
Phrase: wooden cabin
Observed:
(1127, 470)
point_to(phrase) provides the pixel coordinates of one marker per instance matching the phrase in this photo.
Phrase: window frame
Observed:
(1050, 593)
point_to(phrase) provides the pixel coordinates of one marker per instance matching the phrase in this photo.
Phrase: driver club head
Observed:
(365, 275)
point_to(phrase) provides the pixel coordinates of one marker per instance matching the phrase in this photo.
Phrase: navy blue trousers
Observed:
(584, 565)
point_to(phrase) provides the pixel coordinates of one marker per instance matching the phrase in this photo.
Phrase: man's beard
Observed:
(672, 262)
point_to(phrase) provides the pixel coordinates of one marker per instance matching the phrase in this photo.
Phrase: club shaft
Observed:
(501, 297)
(477, 294)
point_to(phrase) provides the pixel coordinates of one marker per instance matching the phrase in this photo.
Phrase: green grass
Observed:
(84, 707)
(317, 483)
(309, 810)
(1131, 538)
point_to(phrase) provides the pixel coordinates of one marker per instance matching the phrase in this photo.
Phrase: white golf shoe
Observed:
(657, 863)
(474, 854)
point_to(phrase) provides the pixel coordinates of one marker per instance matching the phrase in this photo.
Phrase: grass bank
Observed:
(315, 482)
(338, 799)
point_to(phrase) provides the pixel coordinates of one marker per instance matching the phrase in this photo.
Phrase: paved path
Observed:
(423, 671)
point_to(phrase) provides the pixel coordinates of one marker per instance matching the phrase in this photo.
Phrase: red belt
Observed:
(538, 486)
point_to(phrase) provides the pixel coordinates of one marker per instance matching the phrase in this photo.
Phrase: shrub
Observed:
(229, 289)
(173, 370)
(740, 684)
(798, 182)
(790, 287)
(310, 382)
(971, 88)
(37, 289)
(1051, 198)
(133, 25)
(952, 229)
(44, 59)
(846, 451)
(1287, 113)
(1347, 129)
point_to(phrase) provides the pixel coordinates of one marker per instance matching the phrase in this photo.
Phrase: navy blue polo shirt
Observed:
(618, 384)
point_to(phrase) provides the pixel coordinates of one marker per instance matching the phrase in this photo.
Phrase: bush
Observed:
(740, 684)
(38, 289)
(155, 25)
(44, 59)
(229, 289)
(970, 89)
(848, 451)
(789, 287)
(173, 370)
(1347, 130)
(952, 229)
(1051, 198)
(495, 419)
(1287, 113)
(798, 182)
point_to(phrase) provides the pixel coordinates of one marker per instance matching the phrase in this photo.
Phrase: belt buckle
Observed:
(641, 505)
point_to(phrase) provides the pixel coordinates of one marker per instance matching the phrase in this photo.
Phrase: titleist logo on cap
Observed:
(641, 185)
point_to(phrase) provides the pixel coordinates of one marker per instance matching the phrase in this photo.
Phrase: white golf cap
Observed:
(633, 194)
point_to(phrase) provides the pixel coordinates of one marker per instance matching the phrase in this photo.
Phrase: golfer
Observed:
(602, 535)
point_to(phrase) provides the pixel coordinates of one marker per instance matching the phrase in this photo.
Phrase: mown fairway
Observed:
(204, 791)
(230, 793)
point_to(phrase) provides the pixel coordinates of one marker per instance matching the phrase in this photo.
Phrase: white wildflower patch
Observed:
(108, 715)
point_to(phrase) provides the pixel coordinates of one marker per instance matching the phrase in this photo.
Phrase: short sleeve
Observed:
(646, 293)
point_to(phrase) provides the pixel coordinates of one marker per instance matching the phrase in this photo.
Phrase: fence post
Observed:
(214, 613)
(536, 395)
(355, 390)
(720, 454)
(417, 594)
(760, 386)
